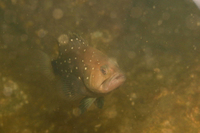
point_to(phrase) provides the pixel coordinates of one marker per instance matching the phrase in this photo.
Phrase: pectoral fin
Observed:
(72, 87)
(86, 103)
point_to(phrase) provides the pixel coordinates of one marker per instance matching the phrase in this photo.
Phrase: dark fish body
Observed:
(86, 72)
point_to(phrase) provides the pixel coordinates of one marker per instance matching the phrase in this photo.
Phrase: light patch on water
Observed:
(41, 33)
(159, 22)
(9, 87)
(14, 2)
(57, 14)
(11, 95)
(96, 34)
(133, 96)
(76, 111)
(131, 54)
(63, 40)
(110, 112)
(193, 22)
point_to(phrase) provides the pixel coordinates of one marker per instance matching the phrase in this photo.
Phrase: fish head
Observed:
(105, 76)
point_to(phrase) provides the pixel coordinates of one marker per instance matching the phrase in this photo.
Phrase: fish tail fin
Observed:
(43, 64)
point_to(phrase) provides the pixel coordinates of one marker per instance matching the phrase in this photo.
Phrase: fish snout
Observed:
(112, 83)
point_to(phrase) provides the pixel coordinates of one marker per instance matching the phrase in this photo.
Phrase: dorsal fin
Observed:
(71, 41)
(75, 39)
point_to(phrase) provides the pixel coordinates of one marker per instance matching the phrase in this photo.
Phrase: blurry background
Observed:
(156, 43)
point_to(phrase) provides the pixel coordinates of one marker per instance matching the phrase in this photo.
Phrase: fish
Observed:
(87, 74)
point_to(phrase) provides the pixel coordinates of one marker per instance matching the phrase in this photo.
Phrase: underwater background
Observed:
(156, 44)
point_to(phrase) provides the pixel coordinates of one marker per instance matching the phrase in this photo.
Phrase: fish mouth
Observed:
(112, 83)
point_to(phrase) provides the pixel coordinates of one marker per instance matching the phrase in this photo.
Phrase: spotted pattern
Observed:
(71, 61)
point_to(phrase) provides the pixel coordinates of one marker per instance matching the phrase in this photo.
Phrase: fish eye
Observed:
(103, 70)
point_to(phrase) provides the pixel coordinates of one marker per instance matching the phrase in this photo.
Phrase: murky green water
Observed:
(155, 42)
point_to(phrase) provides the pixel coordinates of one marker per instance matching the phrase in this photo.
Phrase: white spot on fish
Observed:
(76, 67)
(72, 47)
(90, 60)
(83, 42)
(93, 68)
(98, 63)
(79, 78)
(82, 60)
(75, 58)
(60, 63)
(87, 77)
(71, 71)
(65, 49)
(84, 50)
(71, 40)
(69, 58)
(79, 47)
(65, 61)
(76, 38)
(85, 68)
